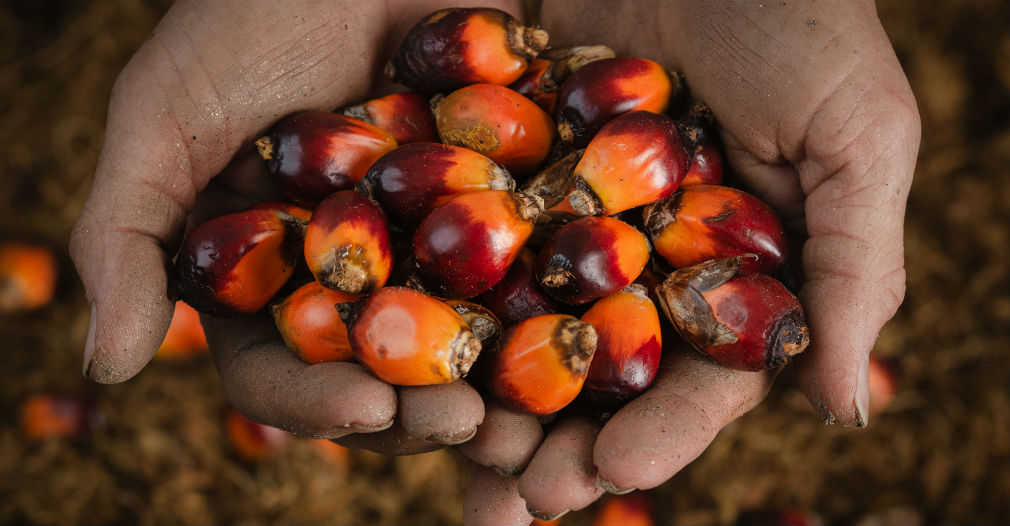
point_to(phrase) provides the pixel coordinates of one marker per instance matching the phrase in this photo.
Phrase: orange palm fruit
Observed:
(636, 159)
(405, 337)
(466, 246)
(347, 245)
(884, 375)
(697, 128)
(497, 122)
(482, 322)
(316, 153)
(605, 89)
(743, 320)
(405, 115)
(451, 48)
(628, 346)
(590, 258)
(185, 337)
(292, 210)
(252, 441)
(633, 509)
(234, 264)
(412, 180)
(702, 222)
(311, 326)
(540, 364)
(46, 416)
(543, 79)
(28, 274)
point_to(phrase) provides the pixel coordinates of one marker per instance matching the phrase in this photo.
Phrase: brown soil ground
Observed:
(940, 454)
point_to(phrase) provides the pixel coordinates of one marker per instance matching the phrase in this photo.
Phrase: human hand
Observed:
(819, 121)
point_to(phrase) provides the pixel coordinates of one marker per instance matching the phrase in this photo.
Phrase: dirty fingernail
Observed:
(544, 516)
(89, 345)
(451, 440)
(362, 428)
(862, 400)
(612, 489)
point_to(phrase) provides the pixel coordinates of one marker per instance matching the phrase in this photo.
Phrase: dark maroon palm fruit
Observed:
(742, 320)
(451, 48)
(466, 246)
(545, 75)
(697, 127)
(604, 89)
(518, 295)
(702, 222)
(414, 179)
(590, 258)
(314, 154)
(234, 264)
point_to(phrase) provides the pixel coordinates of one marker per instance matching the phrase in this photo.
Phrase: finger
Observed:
(505, 442)
(493, 499)
(561, 477)
(655, 435)
(270, 384)
(392, 441)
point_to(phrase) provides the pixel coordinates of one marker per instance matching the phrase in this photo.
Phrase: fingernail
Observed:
(89, 345)
(451, 440)
(862, 400)
(610, 488)
(362, 428)
(544, 516)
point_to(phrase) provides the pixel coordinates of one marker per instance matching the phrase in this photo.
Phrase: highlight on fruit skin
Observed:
(628, 346)
(28, 276)
(518, 295)
(545, 75)
(604, 89)
(185, 337)
(697, 128)
(633, 509)
(292, 210)
(743, 320)
(46, 416)
(347, 244)
(252, 441)
(405, 337)
(702, 222)
(466, 246)
(636, 159)
(453, 47)
(311, 326)
(234, 264)
(497, 122)
(482, 322)
(407, 116)
(316, 153)
(412, 180)
(539, 365)
(590, 258)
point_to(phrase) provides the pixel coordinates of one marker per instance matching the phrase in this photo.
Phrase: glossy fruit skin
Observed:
(347, 244)
(743, 320)
(311, 326)
(451, 48)
(518, 295)
(590, 258)
(314, 154)
(47, 416)
(540, 364)
(497, 122)
(628, 346)
(702, 222)
(636, 159)
(407, 116)
(482, 322)
(292, 210)
(234, 264)
(466, 246)
(545, 75)
(185, 337)
(605, 89)
(413, 180)
(28, 275)
(405, 337)
(697, 128)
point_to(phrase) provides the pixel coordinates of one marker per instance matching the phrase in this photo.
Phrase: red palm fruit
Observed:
(590, 258)
(311, 326)
(413, 180)
(316, 153)
(292, 210)
(540, 364)
(518, 295)
(252, 441)
(234, 264)
(347, 243)
(548, 72)
(633, 509)
(405, 115)
(745, 321)
(702, 222)
(405, 337)
(28, 273)
(466, 246)
(47, 416)
(884, 375)
(185, 337)
(605, 89)
(697, 128)
(636, 159)
(628, 346)
(451, 48)
(497, 122)
(482, 322)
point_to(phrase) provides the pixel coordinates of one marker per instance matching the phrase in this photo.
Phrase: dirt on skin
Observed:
(940, 453)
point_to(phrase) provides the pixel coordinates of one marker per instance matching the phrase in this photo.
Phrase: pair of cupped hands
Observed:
(817, 118)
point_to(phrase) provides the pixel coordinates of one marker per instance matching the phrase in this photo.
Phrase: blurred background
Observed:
(163, 447)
